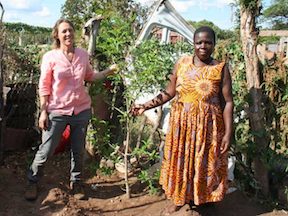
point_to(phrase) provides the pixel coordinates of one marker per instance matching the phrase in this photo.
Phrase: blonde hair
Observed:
(56, 41)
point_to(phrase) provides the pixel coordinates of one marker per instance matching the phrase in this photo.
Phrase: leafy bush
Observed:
(22, 64)
(150, 180)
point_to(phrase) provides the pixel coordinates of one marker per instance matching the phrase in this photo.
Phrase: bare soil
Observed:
(106, 196)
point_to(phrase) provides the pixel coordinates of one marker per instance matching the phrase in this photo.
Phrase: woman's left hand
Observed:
(225, 144)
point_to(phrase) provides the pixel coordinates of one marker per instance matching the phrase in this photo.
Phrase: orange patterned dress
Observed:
(193, 168)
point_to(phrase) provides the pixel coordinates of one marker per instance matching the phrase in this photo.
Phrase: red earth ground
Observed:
(106, 196)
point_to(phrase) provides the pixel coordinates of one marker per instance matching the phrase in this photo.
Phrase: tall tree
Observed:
(277, 13)
(249, 11)
(121, 23)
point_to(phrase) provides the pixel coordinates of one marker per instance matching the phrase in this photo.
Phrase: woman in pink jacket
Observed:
(64, 101)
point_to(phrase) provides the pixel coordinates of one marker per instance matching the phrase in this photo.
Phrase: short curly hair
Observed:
(207, 29)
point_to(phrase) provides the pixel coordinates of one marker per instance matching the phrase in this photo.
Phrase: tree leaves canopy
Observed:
(277, 13)
(79, 11)
(220, 33)
(252, 5)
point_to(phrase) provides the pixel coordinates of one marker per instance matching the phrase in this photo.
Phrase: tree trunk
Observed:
(2, 120)
(127, 144)
(249, 36)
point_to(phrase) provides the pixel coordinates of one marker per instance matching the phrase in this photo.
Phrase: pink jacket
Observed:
(63, 81)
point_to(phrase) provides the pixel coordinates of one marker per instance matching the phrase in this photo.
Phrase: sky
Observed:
(46, 12)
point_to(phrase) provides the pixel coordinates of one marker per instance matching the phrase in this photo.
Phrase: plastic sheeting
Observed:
(166, 16)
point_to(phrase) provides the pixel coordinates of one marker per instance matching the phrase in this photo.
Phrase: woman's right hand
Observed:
(113, 69)
(137, 109)
(43, 120)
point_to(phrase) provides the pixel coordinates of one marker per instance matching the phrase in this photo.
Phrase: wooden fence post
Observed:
(2, 120)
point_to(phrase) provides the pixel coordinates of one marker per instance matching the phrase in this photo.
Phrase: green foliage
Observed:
(20, 27)
(150, 180)
(269, 40)
(22, 64)
(277, 14)
(232, 51)
(79, 11)
(243, 137)
(99, 136)
(147, 151)
(93, 166)
(115, 39)
(251, 5)
(106, 171)
(113, 44)
(220, 33)
(275, 89)
(152, 64)
(30, 35)
(275, 114)
(117, 33)
(277, 165)
(285, 95)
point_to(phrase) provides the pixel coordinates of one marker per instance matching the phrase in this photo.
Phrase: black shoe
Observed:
(31, 192)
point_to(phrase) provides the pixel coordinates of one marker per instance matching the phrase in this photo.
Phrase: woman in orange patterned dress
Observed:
(194, 167)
